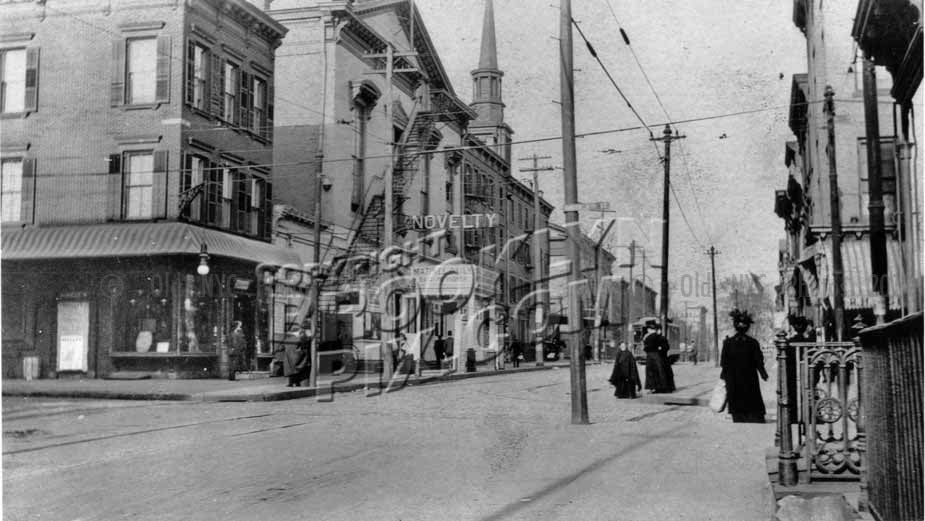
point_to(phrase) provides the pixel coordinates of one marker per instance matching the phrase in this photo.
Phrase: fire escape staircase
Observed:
(370, 225)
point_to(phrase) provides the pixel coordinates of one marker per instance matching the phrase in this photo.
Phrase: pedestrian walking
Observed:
(625, 375)
(693, 349)
(742, 362)
(439, 347)
(659, 375)
(517, 353)
(237, 347)
(297, 359)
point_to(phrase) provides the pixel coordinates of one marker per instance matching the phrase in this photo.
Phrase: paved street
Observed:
(497, 447)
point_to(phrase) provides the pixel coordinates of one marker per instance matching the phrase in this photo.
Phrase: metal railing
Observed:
(893, 414)
(819, 416)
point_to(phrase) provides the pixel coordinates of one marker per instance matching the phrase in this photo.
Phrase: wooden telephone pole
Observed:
(713, 253)
(540, 311)
(667, 139)
(388, 331)
(579, 386)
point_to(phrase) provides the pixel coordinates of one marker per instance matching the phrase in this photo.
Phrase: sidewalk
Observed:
(220, 390)
(694, 383)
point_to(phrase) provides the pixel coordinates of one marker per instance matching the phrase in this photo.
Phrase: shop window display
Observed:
(200, 311)
(146, 315)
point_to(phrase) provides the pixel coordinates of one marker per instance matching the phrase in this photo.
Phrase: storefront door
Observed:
(73, 334)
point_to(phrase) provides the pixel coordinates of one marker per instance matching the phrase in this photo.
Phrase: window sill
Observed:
(142, 106)
(15, 115)
(116, 354)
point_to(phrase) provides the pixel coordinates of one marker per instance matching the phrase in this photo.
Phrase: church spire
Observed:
(487, 102)
(489, 56)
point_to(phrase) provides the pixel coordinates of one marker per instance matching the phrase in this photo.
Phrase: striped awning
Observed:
(858, 290)
(135, 240)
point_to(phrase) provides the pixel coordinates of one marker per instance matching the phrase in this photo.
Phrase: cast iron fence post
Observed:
(786, 459)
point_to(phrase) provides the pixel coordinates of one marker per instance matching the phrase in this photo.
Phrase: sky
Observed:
(703, 58)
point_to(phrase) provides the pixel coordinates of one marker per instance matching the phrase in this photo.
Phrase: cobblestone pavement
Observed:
(492, 448)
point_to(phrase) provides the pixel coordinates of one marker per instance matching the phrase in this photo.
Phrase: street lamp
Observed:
(203, 268)
(322, 183)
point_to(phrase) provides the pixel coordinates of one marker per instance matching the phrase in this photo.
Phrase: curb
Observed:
(264, 395)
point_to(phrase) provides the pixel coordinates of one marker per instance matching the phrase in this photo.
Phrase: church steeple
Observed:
(486, 91)
(488, 59)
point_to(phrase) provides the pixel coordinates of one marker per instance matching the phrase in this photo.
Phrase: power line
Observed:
(626, 40)
(613, 82)
(480, 146)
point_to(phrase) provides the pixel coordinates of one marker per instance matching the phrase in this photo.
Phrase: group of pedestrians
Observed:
(742, 364)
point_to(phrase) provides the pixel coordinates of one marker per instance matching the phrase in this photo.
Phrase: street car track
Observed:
(127, 434)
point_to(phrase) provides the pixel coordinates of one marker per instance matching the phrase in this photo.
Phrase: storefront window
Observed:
(200, 312)
(146, 315)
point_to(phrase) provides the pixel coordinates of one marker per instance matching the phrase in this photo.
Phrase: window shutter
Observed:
(117, 90)
(268, 113)
(216, 176)
(190, 72)
(186, 177)
(162, 89)
(245, 225)
(267, 229)
(115, 187)
(32, 80)
(27, 205)
(217, 79)
(244, 119)
(159, 189)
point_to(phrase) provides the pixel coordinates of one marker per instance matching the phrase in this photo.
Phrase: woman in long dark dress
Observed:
(659, 376)
(625, 375)
(297, 360)
(742, 363)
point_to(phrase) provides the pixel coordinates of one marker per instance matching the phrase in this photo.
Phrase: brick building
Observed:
(136, 156)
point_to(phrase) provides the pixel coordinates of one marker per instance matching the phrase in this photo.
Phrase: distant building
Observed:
(600, 299)
(136, 136)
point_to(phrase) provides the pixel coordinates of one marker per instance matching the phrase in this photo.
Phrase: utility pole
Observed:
(539, 311)
(631, 293)
(388, 332)
(878, 266)
(713, 253)
(667, 139)
(838, 272)
(567, 85)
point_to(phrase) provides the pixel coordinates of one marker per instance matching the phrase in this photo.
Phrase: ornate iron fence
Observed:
(893, 415)
(819, 392)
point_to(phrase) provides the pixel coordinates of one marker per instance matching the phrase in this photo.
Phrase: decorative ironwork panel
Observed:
(829, 404)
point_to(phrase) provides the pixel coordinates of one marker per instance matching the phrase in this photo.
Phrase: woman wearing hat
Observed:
(659, 376)
(742, 362)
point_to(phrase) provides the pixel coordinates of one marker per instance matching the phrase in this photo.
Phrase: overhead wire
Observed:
(462, 148)
(658, 99)
(614, 83)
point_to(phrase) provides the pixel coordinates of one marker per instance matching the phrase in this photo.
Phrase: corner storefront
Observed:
(129, 300)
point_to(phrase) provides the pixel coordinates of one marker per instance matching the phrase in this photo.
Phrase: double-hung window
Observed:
(197, 66)
(230, 93)
(139, 185)
(13, 81)
(194, 176)
(258, 107)
(141, 71)
(12, 190)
